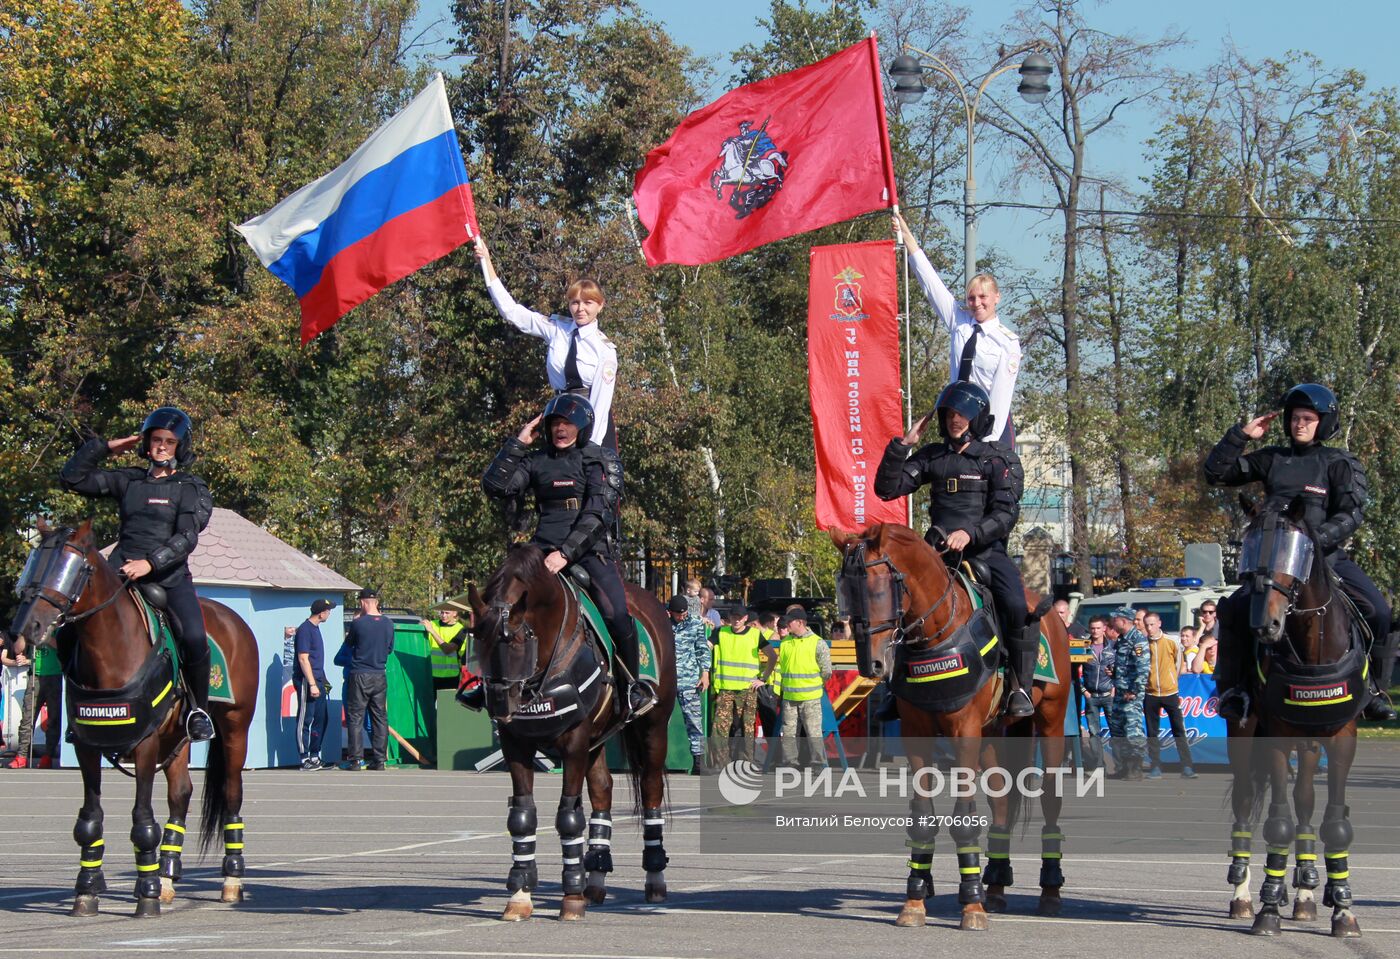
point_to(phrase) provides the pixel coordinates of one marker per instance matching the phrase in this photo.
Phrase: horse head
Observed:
(1277, 566)
(55, 580)
(519, 600)
(888, 574)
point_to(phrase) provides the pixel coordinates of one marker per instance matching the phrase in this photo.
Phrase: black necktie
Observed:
(969, 351)
(572, 381)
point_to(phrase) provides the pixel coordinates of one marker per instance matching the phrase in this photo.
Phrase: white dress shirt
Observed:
(597, 357)
(998, 356)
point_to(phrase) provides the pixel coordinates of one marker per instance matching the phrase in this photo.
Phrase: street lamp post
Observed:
(908, 72)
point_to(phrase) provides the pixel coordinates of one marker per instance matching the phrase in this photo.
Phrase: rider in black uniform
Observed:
(162, 510)
(1333, 486)
(974, 498)
(577, 486)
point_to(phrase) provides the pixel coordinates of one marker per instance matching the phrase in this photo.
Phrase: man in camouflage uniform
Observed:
(1132, 661)
(692, 675)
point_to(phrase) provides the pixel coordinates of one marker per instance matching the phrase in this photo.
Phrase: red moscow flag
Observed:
(792, 153)
(853, 377)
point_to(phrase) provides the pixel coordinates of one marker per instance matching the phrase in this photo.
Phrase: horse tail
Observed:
(634, 746)
(215, 803)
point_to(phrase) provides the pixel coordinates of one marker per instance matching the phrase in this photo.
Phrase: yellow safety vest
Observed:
(801, 675)
(736, 659)
(445, 665)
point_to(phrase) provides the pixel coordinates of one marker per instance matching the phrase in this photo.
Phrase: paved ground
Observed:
(410, 862)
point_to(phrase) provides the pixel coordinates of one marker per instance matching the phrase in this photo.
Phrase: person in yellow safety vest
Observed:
(804, 665)
(736, 680)
(446, 650)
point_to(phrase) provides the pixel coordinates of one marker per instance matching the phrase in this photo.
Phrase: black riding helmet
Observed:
(1319, 399)
(176, 421)
(574, 408)
(969, 400)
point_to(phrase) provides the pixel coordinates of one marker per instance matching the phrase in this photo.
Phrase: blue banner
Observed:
(1205, 731)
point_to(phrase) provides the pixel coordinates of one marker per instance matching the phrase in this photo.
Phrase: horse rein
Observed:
(534, 681)
(904, 631)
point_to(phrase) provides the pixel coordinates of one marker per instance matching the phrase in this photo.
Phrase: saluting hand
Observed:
(912, 437)
(124, 444)
(527, 432)
(1257, 427)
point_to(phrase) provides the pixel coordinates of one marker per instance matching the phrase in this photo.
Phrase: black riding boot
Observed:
(1379, 708)
(1023, 656)
(640, 694)
(195, 672)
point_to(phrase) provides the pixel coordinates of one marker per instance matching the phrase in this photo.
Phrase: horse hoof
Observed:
(1266, 924)
(232, 891)
(995, 903)
(147, 907)
(595, 894)
(572, 908)
(1346, 927)
(84, 906)
(1305, 910)
(167, 890)
(518, 909)
(1241, 909)
(656, 892)
(1048, 908)
(912, 914)
(975, 921)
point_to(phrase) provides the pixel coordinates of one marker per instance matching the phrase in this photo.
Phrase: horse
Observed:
(904, 604)
(1311, 687)
(71, 596)
(740, 165)
(549, 687)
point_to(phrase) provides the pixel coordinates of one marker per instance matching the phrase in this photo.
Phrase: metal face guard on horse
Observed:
(1291, 624)
(905, 602)
(71, 595)
(550, 688)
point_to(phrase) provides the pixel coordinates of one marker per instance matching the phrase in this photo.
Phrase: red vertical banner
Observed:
(853, 376)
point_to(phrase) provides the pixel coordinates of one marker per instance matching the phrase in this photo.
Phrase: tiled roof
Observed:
(235, 552)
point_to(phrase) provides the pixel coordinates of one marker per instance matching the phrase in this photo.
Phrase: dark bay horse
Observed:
(72, 596)
(1307, 685)
(904, 602)
(550, 688)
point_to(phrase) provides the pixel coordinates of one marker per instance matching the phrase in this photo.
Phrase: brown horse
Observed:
(905, 602)
(550, 687)
(1294, 611)
(69, 591)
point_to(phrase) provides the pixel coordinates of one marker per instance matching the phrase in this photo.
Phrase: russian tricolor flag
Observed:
(400, 202)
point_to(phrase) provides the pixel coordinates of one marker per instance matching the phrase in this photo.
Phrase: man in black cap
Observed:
(692, 674)
(311, 685)
(371, 640)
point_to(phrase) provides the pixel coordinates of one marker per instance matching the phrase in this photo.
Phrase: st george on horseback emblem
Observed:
(751, 163)
(849, 303)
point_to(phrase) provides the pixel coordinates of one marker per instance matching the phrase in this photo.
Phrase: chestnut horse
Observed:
(904, 600)
(1290, 601)
(549, 687)
(71, 595)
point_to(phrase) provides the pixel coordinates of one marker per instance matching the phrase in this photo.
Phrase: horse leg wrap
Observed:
(570, 821)
(923, 834)
(172, 843)
(1305, 875)
(145, 842)
(653, 854)
(965, 833)
(87, 833)
(1278, 833)
(233, 849)
(998, 872)
(1336, 832)
(1240, 835)
(522, 822)
(1051, 875)
(599, 856)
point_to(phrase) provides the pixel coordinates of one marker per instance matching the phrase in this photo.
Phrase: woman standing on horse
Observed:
(162, 510)
(1332, 483)
(983, 351)
(577, 487)
(579, 359)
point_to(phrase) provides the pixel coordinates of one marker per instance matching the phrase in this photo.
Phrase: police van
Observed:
(1175, 599)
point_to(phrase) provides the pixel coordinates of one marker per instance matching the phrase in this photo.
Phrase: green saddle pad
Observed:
(646, 644)
(220, 688)
(1044, 662)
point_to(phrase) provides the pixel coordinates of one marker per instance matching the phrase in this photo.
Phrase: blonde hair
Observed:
(584, 290)
(983, 279)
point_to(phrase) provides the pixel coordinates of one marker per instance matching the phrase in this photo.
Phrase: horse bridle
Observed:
(67, 590)
(532, 683)
(1263, 581)
(903, 632)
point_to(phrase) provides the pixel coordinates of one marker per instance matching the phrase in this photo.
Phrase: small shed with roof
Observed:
(271, 585)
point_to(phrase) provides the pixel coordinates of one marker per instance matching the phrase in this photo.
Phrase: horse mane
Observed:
(883, 536)
(524, 562)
